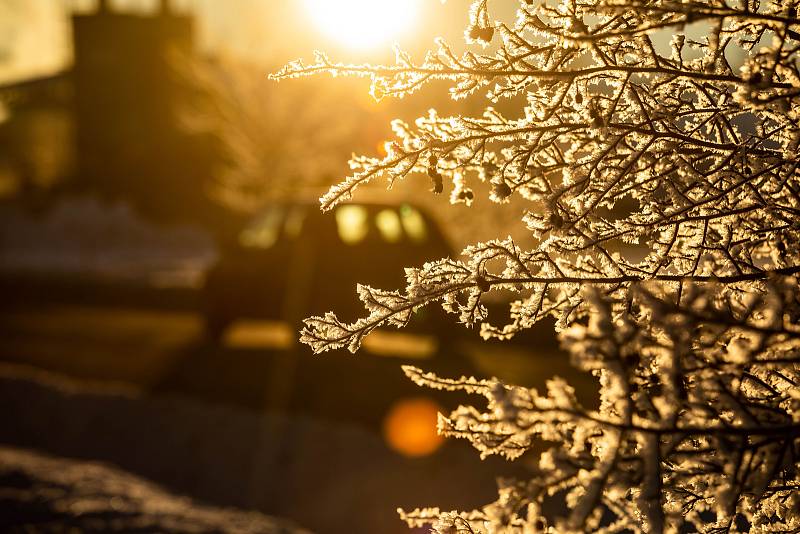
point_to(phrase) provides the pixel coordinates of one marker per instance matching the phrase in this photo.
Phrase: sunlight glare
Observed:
(363, 23)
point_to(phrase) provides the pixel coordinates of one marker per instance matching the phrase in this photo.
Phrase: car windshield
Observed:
(354, 225)
(272, 224)
(414, 224)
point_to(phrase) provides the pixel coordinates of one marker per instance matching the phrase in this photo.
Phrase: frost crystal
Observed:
(663, 191)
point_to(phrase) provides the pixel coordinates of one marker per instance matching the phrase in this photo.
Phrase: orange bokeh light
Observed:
(410, 427)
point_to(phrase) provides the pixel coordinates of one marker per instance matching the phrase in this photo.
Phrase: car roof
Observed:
(314, 206)
(313, 214)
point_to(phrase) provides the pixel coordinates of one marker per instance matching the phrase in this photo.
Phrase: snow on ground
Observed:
(326, 476)
(40, 493)
(88, 237)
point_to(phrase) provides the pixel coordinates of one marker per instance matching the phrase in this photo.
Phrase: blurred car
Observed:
(292, 261)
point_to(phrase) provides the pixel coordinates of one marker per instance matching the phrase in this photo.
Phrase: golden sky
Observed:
(35, 34)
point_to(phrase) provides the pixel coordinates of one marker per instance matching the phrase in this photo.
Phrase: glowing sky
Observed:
(34, 38)
(363, 23)
(35, 35)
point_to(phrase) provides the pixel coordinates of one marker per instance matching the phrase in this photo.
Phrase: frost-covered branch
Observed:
(662, 187)
(699, 393)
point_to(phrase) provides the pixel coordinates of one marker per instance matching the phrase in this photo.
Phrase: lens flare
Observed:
(410, 427)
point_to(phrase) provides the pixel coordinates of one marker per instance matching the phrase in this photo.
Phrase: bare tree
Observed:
(264, 136)
(664, 200)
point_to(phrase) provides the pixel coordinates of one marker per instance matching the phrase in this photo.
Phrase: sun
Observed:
(363, 23)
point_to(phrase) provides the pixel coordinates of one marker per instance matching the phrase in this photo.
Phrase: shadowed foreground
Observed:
(47, 494)
(251, 423)
(327, 476)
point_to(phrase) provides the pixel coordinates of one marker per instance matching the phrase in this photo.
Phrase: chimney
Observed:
(165, 7)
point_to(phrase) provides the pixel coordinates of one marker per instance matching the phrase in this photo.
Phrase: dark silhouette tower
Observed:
(126, 101)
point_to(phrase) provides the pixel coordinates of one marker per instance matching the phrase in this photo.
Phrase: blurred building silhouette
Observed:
(109, 125)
